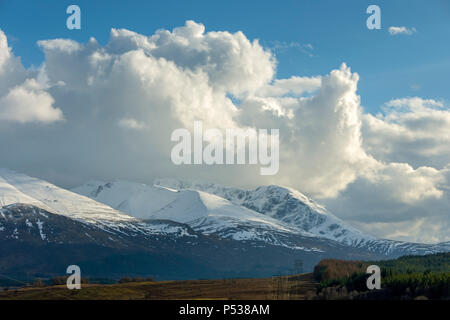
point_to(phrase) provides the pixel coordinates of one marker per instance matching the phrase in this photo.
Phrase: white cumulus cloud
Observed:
(28, 103)
(412, 130)
(401, 30)
(130, 123)
(23, 97)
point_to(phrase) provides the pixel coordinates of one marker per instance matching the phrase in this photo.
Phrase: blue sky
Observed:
(389, 66)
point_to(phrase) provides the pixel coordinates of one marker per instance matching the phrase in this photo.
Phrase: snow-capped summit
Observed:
(294, 208)
(58, 215)
(20, 188)
(282, 214)
(211, 214)
(137, 199)
(204, 212)
(284, 204)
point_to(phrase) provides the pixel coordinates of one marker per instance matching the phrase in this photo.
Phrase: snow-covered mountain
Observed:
(287, 209)
(173, 230)
(20, 188)
(44, 228)
(204, 212)
(19, 191)
(284, 204)
(294, 208)
(128, 196)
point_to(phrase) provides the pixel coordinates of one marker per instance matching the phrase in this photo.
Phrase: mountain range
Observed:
(173, 229)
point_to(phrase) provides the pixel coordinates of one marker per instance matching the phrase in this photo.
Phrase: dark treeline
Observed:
(407, 277)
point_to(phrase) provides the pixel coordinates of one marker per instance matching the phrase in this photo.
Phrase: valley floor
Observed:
(296, 287)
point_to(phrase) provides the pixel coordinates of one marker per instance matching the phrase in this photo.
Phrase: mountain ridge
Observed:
(288, 206)
(44, 228)
(214, 237)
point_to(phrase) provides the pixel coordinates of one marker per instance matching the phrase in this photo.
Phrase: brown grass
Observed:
(338, 269)
(289, 287)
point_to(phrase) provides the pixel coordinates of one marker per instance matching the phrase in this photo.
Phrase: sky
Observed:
(388, 66)
(363, 114)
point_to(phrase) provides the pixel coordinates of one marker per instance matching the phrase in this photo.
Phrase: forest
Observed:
(408, 277)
